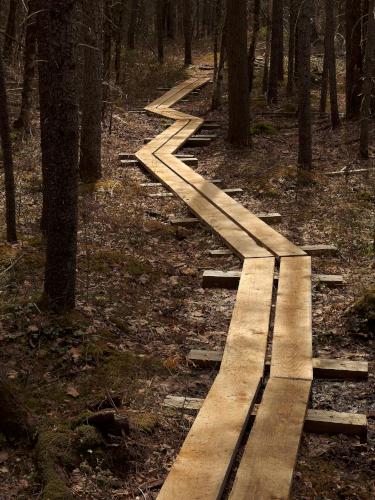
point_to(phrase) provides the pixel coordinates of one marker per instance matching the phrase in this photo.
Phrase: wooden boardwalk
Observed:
(205, 460)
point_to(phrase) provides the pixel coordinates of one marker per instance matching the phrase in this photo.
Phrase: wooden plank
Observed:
(233, 190)
(320, 250)
(337, 369)
(239, 241)
(350, 172)
(316, 421)
(203, 464)
(333, 422)
(130, 163)
(229, 279)
(161, 195)
(258, 229)
(267, 465)
(224, 252)
(292, 333)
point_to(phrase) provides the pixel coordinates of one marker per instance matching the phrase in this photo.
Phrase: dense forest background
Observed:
(100, 293)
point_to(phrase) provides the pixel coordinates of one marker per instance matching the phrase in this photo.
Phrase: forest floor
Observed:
(141, 306)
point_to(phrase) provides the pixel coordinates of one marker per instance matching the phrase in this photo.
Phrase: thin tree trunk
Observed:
(132, 25)
(10, 30)
(324, 85)
(218, 82)
(331, 61)
(14, 419)
(353, 58)
(10, 195)
(238, 73)
(268, 49)
(281, 46)
(368, 82)
(292, 46)
(23, 120)
(160, 29)
(304, 85)
(188, 31)
(107, 54)
(61, 114)
(119, 38)
(253, 44)
(90, 166)
(273, 76)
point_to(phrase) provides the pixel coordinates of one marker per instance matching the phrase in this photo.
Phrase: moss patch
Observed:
(263, 128)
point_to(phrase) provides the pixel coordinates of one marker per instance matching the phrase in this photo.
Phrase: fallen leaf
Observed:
(72, 391)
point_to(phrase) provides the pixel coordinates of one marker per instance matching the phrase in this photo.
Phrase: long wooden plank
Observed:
(338, 369)
(267, 465)
(241, 243)
(259, 230)
(316, 421)
(292, 334)
(204, 462)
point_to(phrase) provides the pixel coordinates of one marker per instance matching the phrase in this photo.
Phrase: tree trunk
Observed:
(253, 44)
(60, 112)
(23, 120)
(281, 46)
(10, 30)
(238, 73)
(160, 29)
(330, 53)
(324, 85)
(188, 31)
(107, 54)
(119, 39)
(132, 25)
(14, 419)
(292, 46)
(217, 92)
(268, 49)
(10, 195)
(368, 82)
(90, 166)
(277, 27)
(304, 85)
(353, 58)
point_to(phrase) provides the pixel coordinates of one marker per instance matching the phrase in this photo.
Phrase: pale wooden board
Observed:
(316, 421)
(204, 462)
(267, 465)
(292, 334)
(259, 230)
(237, 239)
(340, 369)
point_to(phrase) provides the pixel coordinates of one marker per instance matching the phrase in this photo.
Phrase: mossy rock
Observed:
(55, 452)
(88, 437)
(142, 421)
(263, 128)
(362, 312)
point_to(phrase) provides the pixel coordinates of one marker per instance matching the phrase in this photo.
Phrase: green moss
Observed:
(145, 421)
(263, 128)
(362, 311)
(55, 453)
(89, 438)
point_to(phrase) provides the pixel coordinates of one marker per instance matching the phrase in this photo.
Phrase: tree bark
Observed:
(10, 30)
(368, 82)
(14, 419)
(217, 92)
(10, 193)
(23, 120)
(330, 53)
(274, 71)
(60, 112)
(324, 85)
(160, 29)
(132, 24)
(253, 44)
(238, 74)
(90, 166)
(281, 46)
(353, 58)
(188, 31)
(268, 48)
(107, 54)
(292, 46)
(304, 85)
